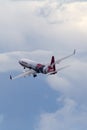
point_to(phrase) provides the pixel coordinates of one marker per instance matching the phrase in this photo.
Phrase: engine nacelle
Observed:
(34, 75)
(45, 70)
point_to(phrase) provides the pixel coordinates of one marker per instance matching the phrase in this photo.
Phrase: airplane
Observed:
(35, 68)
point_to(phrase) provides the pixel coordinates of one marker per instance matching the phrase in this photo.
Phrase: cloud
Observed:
(71, 82)
(61, 1)
(56, 13)
(68, 117)
(71, 24)
(26, 26)
(71, 85)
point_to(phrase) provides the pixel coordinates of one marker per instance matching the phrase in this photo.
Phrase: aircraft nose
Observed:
(20, 61)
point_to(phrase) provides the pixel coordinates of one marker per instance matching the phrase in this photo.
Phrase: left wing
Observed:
(24, 74)
(58, 61)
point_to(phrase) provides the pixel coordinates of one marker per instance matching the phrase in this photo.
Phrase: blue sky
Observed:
(38, 30)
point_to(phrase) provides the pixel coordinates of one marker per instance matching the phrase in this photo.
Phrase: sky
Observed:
(38, 29)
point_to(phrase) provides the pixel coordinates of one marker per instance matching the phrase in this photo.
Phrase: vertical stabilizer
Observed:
(52, 64)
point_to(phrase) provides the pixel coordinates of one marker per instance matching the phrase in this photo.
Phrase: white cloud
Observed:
(72, 81)
(68, 117)
(58, 83)
(69, 24)
(71, 84)
(22, 29)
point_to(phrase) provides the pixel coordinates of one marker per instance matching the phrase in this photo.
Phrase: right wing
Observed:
(24, 74)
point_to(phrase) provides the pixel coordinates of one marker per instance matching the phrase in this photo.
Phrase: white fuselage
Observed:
(37, 67)
(26, 63)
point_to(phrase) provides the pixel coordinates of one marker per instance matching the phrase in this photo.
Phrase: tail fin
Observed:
(52, 64)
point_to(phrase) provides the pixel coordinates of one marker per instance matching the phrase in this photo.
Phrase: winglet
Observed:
(10, 77)
(74, 51)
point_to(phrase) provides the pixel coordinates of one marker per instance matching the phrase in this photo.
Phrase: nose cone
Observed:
(20, 61)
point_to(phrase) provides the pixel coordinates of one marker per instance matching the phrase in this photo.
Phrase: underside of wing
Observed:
(24, 74)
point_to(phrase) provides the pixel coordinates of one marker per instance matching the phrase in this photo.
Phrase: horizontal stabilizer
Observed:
(51, 73)
(63, 68)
